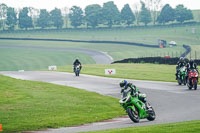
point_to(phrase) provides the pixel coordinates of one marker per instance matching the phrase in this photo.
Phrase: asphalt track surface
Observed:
(171, 102)
(99, 57)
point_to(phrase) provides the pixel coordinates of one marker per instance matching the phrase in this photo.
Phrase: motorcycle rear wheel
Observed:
(134, 116)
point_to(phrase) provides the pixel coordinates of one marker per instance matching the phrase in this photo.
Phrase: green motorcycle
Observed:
(135, 108)
(181, 76)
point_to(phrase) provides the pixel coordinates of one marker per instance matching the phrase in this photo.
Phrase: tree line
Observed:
(93, 15)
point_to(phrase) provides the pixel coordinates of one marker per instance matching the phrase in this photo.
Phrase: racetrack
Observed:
(99, 57)
(171, 102)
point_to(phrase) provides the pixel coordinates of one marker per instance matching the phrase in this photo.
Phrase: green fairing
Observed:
(136, 89)
(138, 104)
(182, 71)
(181, 76)
(135, 104)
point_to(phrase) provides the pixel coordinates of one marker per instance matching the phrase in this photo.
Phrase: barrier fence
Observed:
(155, 60)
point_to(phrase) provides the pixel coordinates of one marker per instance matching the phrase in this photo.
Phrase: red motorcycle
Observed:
(193, 78)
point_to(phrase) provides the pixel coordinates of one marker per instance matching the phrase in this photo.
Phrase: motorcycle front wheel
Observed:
(133, 115)
(184, 82)
(152, 115)
(189, 84)
(179, 81)
(195, 84)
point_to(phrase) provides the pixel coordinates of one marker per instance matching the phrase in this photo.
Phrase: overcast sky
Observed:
(51, 4)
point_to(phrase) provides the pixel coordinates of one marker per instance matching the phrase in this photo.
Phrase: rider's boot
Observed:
(148, 107)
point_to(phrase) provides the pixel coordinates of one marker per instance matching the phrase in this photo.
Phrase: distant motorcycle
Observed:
(193, 78)
(77, 70)
(181, 76)
(135, 108)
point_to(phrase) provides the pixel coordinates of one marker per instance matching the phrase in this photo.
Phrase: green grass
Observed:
(153, 72)
(28, 105)
(180, 34)
(30, 59)
(181, 127)
(143, 35)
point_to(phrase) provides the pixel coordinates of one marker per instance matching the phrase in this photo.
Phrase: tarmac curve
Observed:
(99, 57)
(171, 102)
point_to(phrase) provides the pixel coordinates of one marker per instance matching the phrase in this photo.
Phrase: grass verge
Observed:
(180, 34)
(13, 59)
(181, 127)
(40, 54)
(28, 105)
(152, 72)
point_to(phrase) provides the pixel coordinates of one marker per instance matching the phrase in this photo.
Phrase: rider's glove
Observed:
(136, 94)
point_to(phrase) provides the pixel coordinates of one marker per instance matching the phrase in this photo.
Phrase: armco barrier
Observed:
(67, 40)
(155, 60)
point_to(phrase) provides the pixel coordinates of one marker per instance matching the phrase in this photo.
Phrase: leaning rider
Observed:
(191, 65)
(76, 63)
(180, 64)
(125, 86)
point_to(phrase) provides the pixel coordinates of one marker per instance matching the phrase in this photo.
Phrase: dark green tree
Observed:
(76, 16)
(111, 14)
(25, 21)
(56, 18)
(145, 15)
(3, 13)
(183, 14)
(11, 18)
(127, 15)
(167, 14)
(93, 15)
(44, 19)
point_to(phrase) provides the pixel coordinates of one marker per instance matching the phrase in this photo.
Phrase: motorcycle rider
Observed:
(186, 60)
(179, 64)
(76, 63)
(125, 86)
(191, 65)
